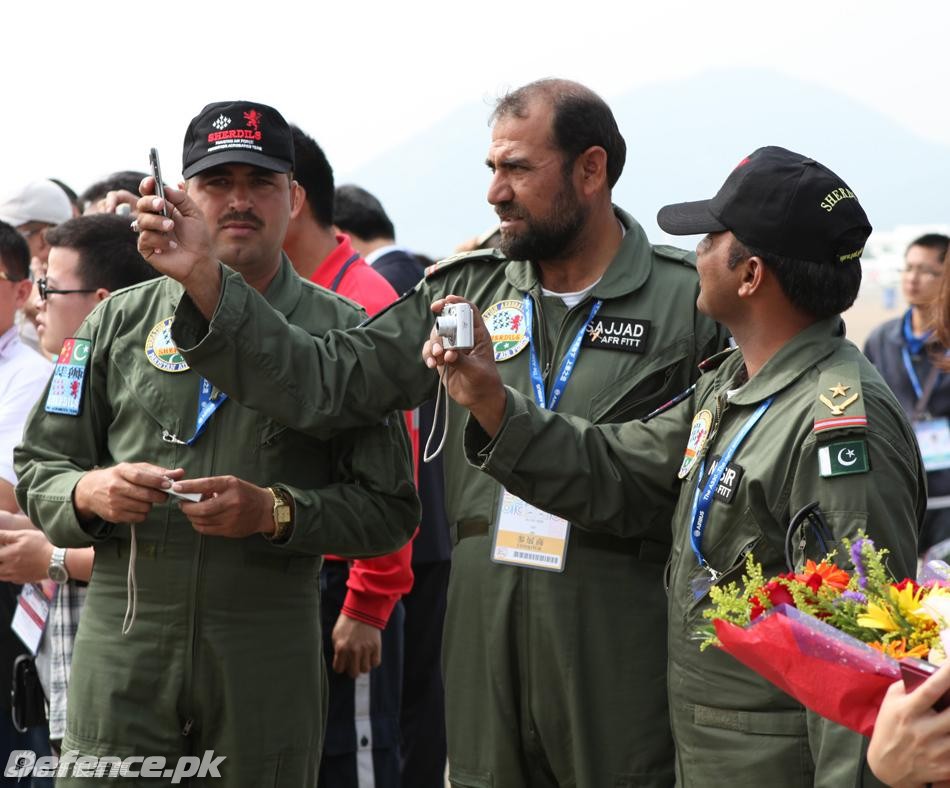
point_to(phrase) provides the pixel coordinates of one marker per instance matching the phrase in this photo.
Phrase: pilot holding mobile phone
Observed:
(216, 645)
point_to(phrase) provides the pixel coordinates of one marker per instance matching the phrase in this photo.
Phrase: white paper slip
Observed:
(193, 497)
(29, 620)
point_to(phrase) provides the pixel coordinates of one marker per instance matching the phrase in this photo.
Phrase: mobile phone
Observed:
(157, 175)
(915, 672)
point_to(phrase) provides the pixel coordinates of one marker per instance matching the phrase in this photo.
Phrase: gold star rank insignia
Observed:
(839, 390)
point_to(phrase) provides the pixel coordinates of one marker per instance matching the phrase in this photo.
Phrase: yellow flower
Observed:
(905, 602)
(878, 617)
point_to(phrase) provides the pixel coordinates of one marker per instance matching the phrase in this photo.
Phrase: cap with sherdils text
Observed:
(237, 132)
(38, 201)
(783, 203)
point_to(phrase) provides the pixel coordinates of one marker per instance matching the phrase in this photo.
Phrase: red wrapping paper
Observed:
(833, 674)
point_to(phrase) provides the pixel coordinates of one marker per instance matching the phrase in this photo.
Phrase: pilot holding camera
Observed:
(201, 630)
(588, 317)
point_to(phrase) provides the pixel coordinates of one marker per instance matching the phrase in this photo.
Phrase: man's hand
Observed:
(229, 507)
(357, 647)
(471, 378)
(14, 522)
(24, 556)
(123, 493)
(113, 202)
(911, 741)
(179, 246)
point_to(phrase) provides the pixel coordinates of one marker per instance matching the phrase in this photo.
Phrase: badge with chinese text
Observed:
(526, 536)
(506, 324)
(161, 350)
(69, 378)
(698, 433)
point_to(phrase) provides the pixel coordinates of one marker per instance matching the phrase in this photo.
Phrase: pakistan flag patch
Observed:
(843, 457)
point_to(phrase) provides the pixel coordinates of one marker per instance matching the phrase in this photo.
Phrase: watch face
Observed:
(282, 513)
(57, 573)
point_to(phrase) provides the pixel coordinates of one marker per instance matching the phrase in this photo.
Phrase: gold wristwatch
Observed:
(283, 515)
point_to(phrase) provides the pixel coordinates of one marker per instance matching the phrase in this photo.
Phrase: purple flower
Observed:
(858, 560)
(854, 596)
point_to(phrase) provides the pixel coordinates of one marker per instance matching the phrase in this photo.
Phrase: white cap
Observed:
(39, 201)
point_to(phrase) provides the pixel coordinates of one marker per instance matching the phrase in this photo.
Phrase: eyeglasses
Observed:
(46, 292)
(7, 278)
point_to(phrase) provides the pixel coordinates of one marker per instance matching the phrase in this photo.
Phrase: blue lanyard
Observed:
(913, 344)
(208, 402)
(703, 499)
(567, 366)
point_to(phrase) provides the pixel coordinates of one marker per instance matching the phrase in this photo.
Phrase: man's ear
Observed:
(591, 166)
(22, 293)
(298, 196)
(102, 294)
(753, 276)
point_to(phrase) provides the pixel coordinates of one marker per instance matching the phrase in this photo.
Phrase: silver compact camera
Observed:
(454, 325)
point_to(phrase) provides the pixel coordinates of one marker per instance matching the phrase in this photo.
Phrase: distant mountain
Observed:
(683, 138)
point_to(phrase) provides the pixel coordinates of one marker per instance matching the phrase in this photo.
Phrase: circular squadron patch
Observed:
(161, 350)
(506, 324)
(698, 433)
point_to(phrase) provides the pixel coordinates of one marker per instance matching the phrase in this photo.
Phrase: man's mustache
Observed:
(243, 217)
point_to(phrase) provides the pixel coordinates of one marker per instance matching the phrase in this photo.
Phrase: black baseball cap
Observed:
(237, 132)
(783, 203)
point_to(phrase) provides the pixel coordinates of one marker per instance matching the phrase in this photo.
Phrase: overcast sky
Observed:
(89, 87)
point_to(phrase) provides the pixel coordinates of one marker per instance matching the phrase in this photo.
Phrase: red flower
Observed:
(757, 609)
(778, 593)
(814, 581)
(904, 583)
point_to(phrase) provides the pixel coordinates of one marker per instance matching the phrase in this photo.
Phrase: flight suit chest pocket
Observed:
(638, 391)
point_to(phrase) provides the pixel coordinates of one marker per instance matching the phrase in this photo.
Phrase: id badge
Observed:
(933, 437)
(29, 620)
(529, 537)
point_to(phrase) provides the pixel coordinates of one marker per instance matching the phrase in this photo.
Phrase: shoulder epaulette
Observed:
(683, 256)
(838, 402)
(479, 255)
(716, 360)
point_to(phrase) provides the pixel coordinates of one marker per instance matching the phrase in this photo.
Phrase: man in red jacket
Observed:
(360, 600)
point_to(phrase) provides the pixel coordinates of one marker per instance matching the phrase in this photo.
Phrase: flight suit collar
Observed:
(285, 289)
(628, 271)
(797, 356)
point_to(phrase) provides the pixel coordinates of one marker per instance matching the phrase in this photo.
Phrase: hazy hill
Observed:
(682, 137)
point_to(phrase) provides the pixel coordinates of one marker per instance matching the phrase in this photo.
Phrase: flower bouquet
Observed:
(830, 638)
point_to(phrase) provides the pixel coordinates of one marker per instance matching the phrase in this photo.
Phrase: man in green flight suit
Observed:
(796, 415)
(217, 647)
(580, 305)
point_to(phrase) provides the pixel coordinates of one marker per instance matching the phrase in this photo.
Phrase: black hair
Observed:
(936, 241)
(107, 248)
(128, 180)
(314, 173)
(581, 119)
(14, 252)
(70, 194)
(359, 213)
(817, 289)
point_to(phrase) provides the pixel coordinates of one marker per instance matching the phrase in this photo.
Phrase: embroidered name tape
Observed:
(729, 483)
(617, 333)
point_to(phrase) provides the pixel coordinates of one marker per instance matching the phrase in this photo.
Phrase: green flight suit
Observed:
(731, 727)
(225, 653)
(547, 681)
